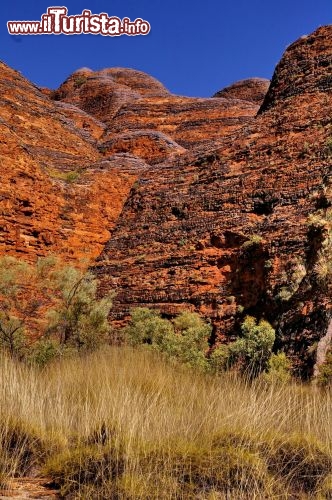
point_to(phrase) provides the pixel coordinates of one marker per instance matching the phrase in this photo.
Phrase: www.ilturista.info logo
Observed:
(57, 22)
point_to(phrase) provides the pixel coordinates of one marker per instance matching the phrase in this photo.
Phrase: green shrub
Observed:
(184, 339)
(72, 177)
(220, 358)
(254, 241)
(278, 368)
(147, 327)
(250, 353)
(44, 351)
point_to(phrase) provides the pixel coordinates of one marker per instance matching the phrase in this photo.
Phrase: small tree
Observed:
(78, 319)
(49, 299)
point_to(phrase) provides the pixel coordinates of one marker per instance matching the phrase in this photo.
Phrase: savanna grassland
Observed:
(128, 423)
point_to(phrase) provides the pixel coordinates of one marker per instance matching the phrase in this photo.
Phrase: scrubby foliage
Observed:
(16, 306)
(253, 350)
(49, 307)
(279, 368)
(321, 221)
(185, 338)
(250, 353)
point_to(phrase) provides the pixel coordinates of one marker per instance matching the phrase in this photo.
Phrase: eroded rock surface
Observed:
(226, 232)
(202, 203)
(56, 195)
(252, 90)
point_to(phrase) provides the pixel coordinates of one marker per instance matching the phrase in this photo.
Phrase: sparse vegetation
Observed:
(254, 241)
(321, 221)
(48, 308)
(69, 177)
(325, 371)
(292, 278)
(79, 81)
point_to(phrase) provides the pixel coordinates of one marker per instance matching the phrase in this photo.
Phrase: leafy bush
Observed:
(278, 368)
(78, 319)
(44, 351)
(147, 327)
(189, 343)
(51, 301)
(220, 358)
(250, 353)
(184, 339)
(254, 349)
(254, 241)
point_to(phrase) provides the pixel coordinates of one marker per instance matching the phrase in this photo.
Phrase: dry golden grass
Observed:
(124, 423)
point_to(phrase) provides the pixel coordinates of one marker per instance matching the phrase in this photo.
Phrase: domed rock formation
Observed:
(252, 90)
(206, 204)
(226, 232)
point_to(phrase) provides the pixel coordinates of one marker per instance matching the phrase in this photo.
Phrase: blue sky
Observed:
(194, 47)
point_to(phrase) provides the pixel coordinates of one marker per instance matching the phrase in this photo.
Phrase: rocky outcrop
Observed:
(188, 121)
(252, 90)
(152, 146)
(70, 156)
(227, 231)
(55, 195)
(129, 102)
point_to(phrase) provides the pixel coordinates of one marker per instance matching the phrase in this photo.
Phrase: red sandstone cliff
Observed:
(225, 231)
(190, 202)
